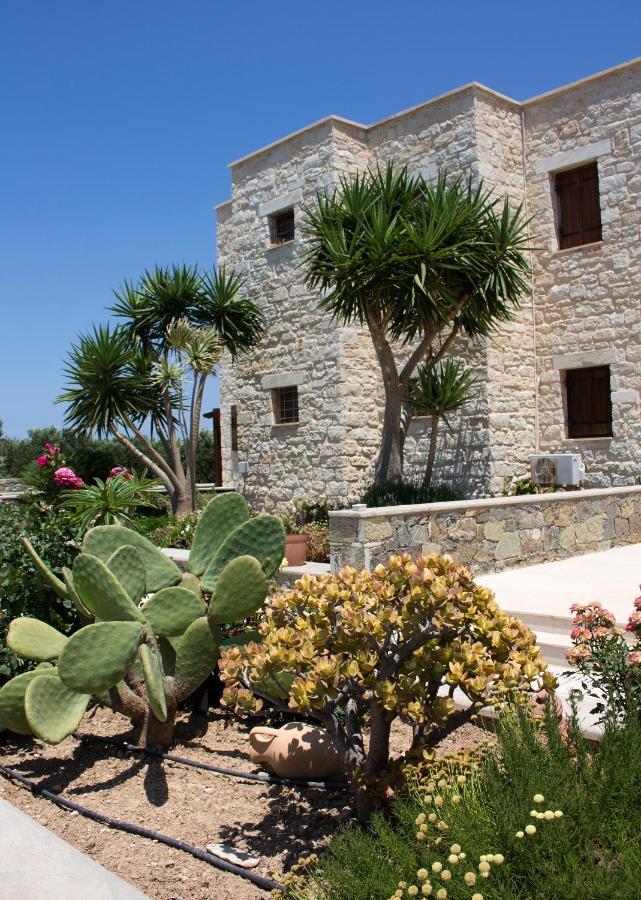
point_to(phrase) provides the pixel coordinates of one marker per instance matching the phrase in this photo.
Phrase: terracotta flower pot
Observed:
(295, 549)
(296, 750)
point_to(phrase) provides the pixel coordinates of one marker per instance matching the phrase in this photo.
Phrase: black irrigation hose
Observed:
(250, 776)
(265, 883)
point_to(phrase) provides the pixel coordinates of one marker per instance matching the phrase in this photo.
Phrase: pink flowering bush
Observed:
(66, 478)
(53, 474)
(609, 661)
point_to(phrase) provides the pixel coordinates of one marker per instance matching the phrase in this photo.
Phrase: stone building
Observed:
(301, 416)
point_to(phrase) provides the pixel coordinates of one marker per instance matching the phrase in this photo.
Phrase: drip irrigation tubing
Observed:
(263, 777)
(267, 884)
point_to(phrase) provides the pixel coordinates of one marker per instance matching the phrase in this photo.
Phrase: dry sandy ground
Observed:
(275, 823)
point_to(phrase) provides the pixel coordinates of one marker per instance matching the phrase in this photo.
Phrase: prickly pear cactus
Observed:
(153, 634)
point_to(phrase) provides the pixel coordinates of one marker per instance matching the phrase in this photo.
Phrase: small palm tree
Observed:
(153, 367)
(438, 391)
(110, 502)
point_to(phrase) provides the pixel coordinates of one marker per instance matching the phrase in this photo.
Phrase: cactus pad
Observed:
(196, 656)
(218, 519)
(192, 583)
(154, 680)
(101, 592)
(12, 714)
(44, 571)
(33, 639)
(98, 656)
(83, 612)
(53, 711)
(172, 610)
(103, 540)
(262, 538)
(240, 590)
(128, 566)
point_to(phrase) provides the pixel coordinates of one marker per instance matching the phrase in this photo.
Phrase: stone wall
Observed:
(493, 534)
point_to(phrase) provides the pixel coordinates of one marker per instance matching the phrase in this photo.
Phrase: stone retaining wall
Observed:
(492, 534)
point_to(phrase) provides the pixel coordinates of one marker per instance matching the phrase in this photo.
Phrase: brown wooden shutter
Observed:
(579, 209)
(234, 428)
(589, 403)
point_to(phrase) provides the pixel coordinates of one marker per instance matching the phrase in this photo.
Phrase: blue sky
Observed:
(119, 119)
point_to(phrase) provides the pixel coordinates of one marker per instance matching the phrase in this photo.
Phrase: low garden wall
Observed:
(490, 534)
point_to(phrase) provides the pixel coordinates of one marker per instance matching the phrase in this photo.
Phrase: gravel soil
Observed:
(275, 823)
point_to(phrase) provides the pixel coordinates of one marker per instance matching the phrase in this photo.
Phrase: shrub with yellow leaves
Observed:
(356, 650)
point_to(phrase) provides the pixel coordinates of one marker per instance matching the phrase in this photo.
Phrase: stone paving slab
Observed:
(36, 864)
(612, 577)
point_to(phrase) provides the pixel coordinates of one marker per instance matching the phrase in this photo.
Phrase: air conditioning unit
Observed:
(558, 468)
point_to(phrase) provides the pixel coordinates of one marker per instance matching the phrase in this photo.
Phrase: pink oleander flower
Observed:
(637, 602)
(120, 470)
(42, 460)
(634, 658)
(579, 633)
(67, 478)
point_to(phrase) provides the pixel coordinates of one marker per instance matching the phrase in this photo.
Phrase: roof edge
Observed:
(604, 73)
(470, 86)
(294, 134)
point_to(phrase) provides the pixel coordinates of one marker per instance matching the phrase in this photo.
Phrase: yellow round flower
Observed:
(452, 859)
(441, 894)
(421, 836)
(538, 798)
(446, 875)
(557, 814)
(469, 878)
(455, 799)
(519, 834)
(412, 890)
(484, 866)
(437, 866)
(548, 814)
(438, 801)
(420, 819)
(477, 896)
(461, 779)
(530, 829)
(426, 889)
(455, 848)
(422, 874)
(499, 858)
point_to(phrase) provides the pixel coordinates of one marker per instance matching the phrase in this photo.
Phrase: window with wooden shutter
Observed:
(589, 404)
(578, 206)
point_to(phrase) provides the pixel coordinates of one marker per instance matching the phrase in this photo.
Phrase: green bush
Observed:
(175, 533)
(392, 493)
(22, 591)
(590, 853)
(88, 457)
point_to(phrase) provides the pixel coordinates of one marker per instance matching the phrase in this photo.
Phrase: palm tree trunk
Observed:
(431, 453)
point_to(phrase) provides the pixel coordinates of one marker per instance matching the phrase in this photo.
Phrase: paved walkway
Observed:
(549, 589)
(38, 865)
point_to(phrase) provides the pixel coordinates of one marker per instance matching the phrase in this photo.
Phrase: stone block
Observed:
(508, 547)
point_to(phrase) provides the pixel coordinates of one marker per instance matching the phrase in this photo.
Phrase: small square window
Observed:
(589, 404)
(285, 405)
(578, 206)
(281, 227)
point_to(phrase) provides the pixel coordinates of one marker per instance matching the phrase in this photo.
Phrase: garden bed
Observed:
(277, 824)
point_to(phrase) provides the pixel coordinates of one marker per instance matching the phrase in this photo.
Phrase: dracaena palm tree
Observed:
(416, 263)
(153, 366)
(439, 390)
